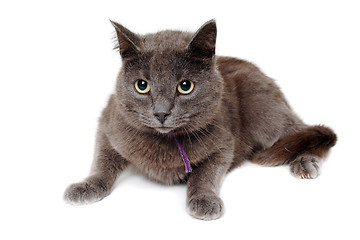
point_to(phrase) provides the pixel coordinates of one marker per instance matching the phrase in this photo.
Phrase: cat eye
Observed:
(142, 86)
(185, 87)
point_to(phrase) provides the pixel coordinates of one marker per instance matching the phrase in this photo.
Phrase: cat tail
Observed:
(315, 140)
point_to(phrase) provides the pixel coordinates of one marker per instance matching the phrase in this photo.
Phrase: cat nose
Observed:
(161, 116)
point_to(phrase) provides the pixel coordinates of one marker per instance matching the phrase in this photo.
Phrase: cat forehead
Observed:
(165, 41)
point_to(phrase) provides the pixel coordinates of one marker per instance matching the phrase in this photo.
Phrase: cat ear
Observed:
(202, 45)
(128, 42)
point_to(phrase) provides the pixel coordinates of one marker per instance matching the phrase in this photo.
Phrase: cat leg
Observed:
(107, 165)
(304, 151)
(203, 201)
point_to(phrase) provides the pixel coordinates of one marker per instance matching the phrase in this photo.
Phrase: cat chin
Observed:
(164, 130)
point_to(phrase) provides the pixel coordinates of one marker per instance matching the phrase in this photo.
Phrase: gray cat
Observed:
(181, 114)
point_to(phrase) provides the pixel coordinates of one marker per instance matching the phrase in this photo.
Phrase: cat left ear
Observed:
(202, 45)
(128, 41)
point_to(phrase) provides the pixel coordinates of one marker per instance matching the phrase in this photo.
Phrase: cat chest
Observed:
(159, 159)
(153, 154)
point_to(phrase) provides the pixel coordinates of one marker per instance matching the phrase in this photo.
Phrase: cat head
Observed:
(168, 81)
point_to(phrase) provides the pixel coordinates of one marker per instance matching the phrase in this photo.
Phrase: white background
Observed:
(57, 69)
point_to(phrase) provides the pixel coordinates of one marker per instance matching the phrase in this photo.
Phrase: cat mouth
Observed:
(164, 129)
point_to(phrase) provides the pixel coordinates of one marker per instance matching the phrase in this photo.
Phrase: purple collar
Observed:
(183, 156)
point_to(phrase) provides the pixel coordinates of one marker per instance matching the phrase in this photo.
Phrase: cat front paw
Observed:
(84, 193)
(205, 207)
(306, 167)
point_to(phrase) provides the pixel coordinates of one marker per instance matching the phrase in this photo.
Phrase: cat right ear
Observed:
(128, 42)
(202, 45)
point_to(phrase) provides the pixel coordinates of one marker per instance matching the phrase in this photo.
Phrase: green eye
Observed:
(185, 87)
(142, 86)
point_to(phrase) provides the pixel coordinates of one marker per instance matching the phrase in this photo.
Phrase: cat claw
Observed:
(305, 175)
(305, 167)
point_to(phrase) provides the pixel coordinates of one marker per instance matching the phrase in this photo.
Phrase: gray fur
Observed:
(234, 113)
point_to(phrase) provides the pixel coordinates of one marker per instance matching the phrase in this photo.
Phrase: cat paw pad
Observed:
(206, 207)
(305, 167)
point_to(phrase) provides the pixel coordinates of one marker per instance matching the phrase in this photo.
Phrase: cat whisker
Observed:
(206, 133)
(187, 133)
(201, 142)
